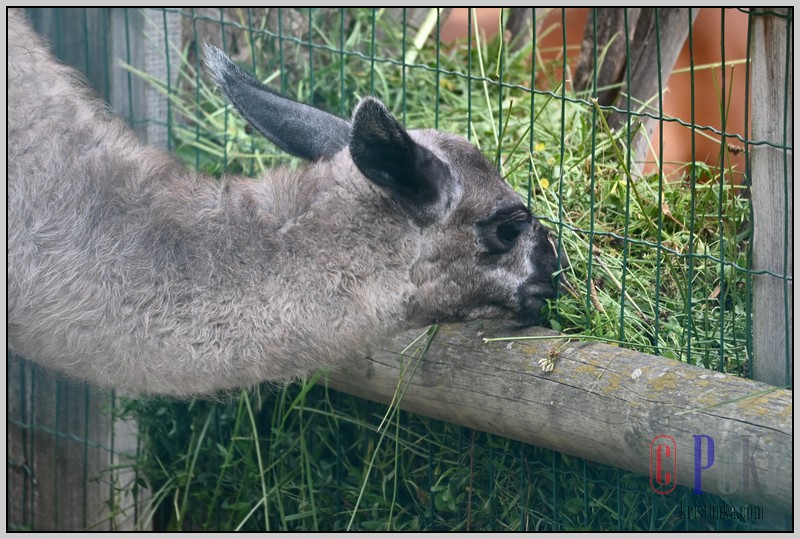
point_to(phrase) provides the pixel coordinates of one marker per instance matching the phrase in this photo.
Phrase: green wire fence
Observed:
(664, 257)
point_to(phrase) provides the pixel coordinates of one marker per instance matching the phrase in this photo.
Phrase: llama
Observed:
(127, 270)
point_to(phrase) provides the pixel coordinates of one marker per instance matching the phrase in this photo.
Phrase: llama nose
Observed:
(560, 260)
(545, 241)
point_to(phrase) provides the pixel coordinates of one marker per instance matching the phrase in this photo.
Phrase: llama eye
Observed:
(500, 231)
(505, 236)
(508, 233)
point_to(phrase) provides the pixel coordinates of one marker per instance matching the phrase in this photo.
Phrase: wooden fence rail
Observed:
(601, 402)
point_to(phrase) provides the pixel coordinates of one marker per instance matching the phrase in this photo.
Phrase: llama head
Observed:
(481, 254)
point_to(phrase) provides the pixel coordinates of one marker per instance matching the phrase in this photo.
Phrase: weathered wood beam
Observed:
(771, 179)
(602, 403)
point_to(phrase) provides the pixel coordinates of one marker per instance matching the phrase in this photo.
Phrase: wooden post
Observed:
(138, 37)
(612, 58)
(66, 452)
(672, 32)
(771, 180)
(601, 403)
(519, 25)
(59, 452)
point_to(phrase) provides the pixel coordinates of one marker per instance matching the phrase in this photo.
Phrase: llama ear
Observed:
(298, 129)
(385, 153)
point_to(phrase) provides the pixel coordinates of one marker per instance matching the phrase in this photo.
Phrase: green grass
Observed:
(655, 266)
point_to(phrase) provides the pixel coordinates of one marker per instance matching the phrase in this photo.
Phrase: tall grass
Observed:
(302, 457)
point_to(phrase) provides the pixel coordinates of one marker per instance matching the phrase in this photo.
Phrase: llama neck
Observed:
(307, 278)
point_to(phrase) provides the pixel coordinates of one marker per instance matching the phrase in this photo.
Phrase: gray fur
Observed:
(128, 270)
